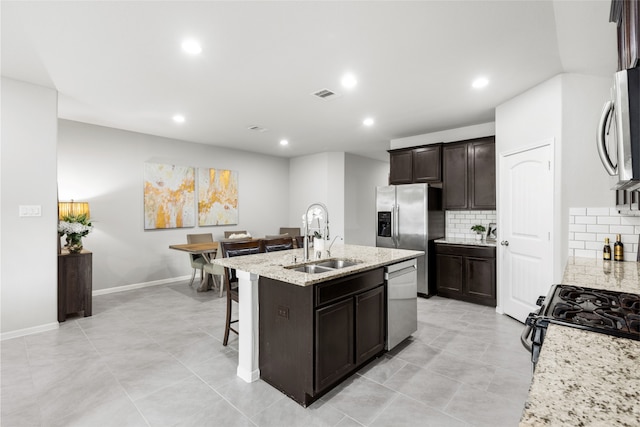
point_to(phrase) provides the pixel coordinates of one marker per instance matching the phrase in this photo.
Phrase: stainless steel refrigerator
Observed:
(411, 216)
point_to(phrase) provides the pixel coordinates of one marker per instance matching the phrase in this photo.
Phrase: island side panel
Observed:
(286, 338)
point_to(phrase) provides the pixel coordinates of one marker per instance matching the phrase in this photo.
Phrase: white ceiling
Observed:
(119, 64)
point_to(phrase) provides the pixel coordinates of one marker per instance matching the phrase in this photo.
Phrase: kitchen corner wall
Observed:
(458, 223)
(588, 227)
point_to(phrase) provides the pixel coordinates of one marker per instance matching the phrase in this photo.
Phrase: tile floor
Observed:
(154, 357)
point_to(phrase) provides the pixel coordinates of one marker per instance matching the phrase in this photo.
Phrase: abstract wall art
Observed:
(169, 196)
(217, 197)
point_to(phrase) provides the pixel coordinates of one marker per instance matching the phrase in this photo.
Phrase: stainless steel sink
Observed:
(337, 263)
(312, 269)
(324, 266)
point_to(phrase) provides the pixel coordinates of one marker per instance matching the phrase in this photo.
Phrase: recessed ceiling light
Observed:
(349, 81)
(178, 118)
(191, 46)
(480, 82)
(368, 121)
(284, 142)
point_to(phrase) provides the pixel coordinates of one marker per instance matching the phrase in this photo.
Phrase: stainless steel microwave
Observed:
(619, 131)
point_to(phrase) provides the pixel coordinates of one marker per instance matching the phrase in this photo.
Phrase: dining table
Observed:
(207, 250)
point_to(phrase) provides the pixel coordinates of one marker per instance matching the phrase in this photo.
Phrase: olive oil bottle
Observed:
(618, 249)
(606, 251)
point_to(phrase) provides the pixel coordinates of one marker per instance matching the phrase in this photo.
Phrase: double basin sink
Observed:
(324, 266)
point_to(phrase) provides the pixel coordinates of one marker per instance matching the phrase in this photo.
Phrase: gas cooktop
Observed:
(597, 310)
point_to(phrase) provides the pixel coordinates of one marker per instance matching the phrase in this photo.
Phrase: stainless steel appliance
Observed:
(402, 304)
(411, 217)
(619, 131)
(597, 310)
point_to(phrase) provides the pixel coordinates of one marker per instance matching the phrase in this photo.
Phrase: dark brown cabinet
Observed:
(466, 273)
(312, 337)
(469, 174)
(416, 165)
(626, 14)
(401, 167)
(74, 284)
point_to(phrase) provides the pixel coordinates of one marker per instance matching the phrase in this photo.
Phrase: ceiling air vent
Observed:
(257, 128)
(325, 94)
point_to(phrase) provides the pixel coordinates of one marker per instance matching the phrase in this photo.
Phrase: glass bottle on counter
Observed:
(606, 251)
(618, 249)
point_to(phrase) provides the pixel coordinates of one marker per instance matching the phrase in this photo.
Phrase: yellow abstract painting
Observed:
(217, 197)
(169, 196)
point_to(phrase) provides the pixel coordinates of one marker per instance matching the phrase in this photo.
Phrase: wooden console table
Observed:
(74, 283)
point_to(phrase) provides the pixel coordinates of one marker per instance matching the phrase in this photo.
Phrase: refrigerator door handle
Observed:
(396, 223)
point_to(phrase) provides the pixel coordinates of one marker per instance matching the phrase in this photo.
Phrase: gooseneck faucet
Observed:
(325, 235)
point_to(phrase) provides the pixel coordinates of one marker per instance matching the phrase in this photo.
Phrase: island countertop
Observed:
(277, 265)
(586, 378)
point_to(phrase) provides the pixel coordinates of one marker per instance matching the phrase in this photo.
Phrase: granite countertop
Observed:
(576, 383)
(586, 378)
(596, 273)
(463, 241)
(273, 264)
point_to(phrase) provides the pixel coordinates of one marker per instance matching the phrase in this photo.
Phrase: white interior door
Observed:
(525, 229)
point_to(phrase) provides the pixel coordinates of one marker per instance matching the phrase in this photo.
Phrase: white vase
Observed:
(318, 244)
(478, 236)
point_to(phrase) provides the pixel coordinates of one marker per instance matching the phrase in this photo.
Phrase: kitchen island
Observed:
(586, 378)
(278, 268)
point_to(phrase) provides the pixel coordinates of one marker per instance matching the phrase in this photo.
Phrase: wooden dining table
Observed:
(207, 250)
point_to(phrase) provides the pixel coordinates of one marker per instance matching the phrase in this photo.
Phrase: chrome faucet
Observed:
(332, 242)
(325, 235)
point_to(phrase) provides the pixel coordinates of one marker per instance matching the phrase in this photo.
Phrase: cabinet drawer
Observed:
(464, 250)
(350, 285)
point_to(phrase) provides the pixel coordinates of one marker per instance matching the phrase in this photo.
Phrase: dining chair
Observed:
(228, 234)
(231, 249)
(216, 270)
(291, 231)
(198, 261)
(277, 244)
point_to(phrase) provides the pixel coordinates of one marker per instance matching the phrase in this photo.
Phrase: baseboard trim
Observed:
(138, 285)
(29, 331)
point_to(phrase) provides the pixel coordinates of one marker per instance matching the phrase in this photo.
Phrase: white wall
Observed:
(104, 166)
(318, 178)
(362, 176)
(449, 135)
(28, 254)
(564, 108)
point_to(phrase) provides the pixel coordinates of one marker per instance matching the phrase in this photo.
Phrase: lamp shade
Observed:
(72, 208)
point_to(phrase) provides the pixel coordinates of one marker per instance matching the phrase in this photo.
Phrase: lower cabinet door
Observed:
(449, 275)
(334, 343)
(369, 324)
(481, 278)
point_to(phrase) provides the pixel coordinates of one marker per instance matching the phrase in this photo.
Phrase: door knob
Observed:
(505, 243)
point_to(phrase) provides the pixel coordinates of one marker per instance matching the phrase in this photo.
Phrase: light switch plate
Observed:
(30, 210)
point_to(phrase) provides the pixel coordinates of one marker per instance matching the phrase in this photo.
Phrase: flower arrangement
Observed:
(74, 227)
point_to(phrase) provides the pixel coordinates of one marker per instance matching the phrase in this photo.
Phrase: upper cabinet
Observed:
(626, 14)
(469, 174)
(416, 165)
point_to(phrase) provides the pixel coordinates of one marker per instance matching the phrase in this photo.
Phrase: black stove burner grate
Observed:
(597, 310)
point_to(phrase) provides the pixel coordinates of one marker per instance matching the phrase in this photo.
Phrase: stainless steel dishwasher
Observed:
(402, 301)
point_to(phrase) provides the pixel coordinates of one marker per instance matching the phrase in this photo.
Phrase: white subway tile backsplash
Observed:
(621, 229)
(585, 236)
(458, 223)
(597, 228)
(586, 220)
(597, 211)
(578, 228)
(611, 220)
(589, 227)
